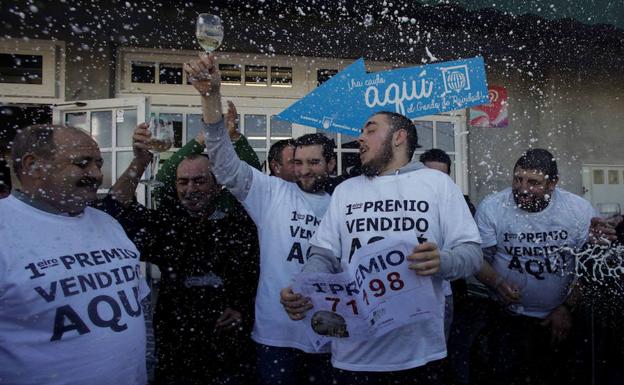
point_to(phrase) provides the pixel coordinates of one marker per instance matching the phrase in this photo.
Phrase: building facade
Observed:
(107, 69)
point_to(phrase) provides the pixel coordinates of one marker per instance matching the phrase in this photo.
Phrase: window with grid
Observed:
(112, 130)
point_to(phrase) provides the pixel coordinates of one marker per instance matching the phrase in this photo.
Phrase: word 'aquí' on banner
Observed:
(343, 103)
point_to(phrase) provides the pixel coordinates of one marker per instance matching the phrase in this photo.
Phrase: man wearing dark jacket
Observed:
(208, 262)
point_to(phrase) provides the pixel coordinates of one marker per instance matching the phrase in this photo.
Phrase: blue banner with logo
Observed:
(344, 102)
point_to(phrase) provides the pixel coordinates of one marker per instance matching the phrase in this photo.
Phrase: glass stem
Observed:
(154, 165)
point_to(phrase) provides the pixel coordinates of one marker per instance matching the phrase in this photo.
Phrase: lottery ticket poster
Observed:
(375, 294)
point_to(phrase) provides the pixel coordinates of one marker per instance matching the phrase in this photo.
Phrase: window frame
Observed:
(128, 55)
(52, 88)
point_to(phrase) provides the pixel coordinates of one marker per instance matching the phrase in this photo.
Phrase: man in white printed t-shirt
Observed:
(286, 216)
(428, 212)
(70, 289)
(523, 229)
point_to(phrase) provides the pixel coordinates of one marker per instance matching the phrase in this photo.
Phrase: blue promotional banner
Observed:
(344, 102)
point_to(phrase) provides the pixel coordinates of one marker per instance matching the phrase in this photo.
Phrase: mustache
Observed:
(88, 182)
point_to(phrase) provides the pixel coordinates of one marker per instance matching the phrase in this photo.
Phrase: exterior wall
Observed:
(493, 151)
(89, 74)
(586, 122)
(568, 112)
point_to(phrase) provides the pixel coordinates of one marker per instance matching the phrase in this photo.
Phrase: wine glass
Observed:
(161, 140)
(209, 31)
(517, 280)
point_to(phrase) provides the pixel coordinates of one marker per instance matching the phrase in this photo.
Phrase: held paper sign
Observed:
(344, 102)
(377, 295)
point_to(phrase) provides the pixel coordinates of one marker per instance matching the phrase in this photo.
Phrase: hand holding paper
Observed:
(294, 304)
(425, 259)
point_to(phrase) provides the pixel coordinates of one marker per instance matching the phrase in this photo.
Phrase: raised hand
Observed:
(204, 75)
(140, 137)
(601, 231)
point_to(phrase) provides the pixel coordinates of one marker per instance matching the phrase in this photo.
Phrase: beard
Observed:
(532, 204)
(319, 184)
(375, 166)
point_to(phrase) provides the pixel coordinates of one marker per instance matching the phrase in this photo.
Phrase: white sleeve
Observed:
(263, 192)
(327, 239)
(227, 167)
(486, 224)
(460, 255)
(456, 222)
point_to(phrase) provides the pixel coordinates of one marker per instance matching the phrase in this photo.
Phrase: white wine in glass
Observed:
(155, 145)
(161, 140)
(209, 32)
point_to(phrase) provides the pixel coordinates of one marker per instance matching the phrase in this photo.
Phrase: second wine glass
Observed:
(161, 141)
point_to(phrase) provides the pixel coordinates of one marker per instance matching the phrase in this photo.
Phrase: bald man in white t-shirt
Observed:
(70, 287)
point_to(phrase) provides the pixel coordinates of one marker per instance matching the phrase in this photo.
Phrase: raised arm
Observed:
(241, 145)
(230, 171)
(125, 186)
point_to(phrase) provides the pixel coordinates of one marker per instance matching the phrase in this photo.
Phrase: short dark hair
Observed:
(402, 122)
(36, 139)
(538, 159)
(275, 152)
(326, 143)
(436, 155)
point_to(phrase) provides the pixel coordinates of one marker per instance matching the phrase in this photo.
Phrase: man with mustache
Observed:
(430, 215)
(286, 215)
(524, 229)
(208, 263)
(70, 288)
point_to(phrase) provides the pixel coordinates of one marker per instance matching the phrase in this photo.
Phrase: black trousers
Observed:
(517, 350)
(434, 373)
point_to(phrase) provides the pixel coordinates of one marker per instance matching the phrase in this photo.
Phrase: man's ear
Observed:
(274, 167)
(399, 137)
(30, 165)
(331, 165)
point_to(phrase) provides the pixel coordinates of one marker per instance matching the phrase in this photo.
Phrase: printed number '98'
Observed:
(378, 287)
